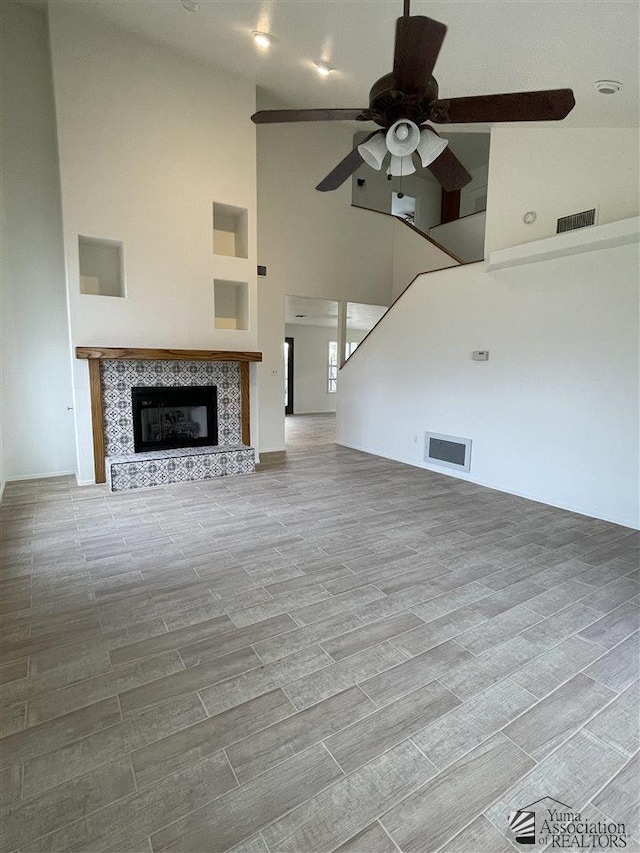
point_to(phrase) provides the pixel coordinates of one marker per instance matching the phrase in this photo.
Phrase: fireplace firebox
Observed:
(168, 417)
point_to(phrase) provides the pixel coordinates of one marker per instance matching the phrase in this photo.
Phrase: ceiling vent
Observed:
(576, 220)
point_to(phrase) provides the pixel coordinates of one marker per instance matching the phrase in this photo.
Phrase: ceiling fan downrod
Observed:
(407, 4)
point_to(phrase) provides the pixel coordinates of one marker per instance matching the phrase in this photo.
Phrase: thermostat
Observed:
(480, 355)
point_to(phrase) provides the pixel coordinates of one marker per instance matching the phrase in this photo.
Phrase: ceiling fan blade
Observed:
(277, 116)
(449, 171)
(418, 43)
(342, 171)
(545, 105)
(345, 168)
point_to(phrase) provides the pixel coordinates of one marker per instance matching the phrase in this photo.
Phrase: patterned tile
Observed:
(129, 470)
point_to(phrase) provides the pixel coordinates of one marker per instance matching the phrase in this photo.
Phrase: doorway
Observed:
(288, 376)
(404, 206)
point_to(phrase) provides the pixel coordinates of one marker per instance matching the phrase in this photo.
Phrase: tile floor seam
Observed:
(535, 760)
(610, 746)
(257, 654)
(238, 783)
(334, 759)
(133, 772)
(388, 835)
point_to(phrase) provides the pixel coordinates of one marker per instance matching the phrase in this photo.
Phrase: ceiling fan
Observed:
(402, 103)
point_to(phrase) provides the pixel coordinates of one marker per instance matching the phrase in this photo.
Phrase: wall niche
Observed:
(101, 267)
(231, 304)
(230, 231)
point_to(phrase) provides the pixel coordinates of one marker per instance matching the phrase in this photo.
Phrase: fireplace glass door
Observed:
(166, 418)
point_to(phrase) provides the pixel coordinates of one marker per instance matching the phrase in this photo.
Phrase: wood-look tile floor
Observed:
(338, 653)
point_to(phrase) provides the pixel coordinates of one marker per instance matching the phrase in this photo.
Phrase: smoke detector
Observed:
(607, 87)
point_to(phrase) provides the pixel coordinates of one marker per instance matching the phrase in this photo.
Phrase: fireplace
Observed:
(169, 417)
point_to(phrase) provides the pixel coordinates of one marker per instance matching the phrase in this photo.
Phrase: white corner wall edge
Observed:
(589, 239)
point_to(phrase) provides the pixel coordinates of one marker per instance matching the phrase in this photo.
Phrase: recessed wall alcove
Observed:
(101, 267)
(230, 231)
(231, 304)
(114, 372)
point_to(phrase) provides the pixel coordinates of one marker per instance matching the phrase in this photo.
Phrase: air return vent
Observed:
(447, 450)
(576, 220)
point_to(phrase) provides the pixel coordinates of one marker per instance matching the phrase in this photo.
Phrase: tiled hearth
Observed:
(182, 465)
(113, 417)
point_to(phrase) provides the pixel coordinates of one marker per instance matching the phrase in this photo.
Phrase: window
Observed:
(332, 385)
(349, 347)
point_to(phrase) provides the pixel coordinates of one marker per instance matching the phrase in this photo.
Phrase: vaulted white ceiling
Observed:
(491, 46)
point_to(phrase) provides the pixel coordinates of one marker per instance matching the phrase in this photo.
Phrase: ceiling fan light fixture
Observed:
(401, 166)
(323, 69)
(262, 39)
(403, 137)
(373, 151)
(430, 146)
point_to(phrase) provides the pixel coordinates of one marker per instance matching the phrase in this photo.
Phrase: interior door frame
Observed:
(288, 409)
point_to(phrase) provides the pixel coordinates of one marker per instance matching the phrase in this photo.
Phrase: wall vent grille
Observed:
(447, 450)
(576, 220)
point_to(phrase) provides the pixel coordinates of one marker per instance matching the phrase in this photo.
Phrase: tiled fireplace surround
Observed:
(113, 373)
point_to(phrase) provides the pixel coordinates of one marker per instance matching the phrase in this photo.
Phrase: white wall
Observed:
(555, 172)
(37, 426)
(553, 414)
(310, 368)
(474, 190)
(144, 153)
(413, 254)
(463, 237)
(313, 244)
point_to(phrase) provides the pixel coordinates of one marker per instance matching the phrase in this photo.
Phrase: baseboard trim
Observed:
(39, 476)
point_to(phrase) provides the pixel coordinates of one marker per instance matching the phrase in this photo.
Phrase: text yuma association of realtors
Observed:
(568, 829)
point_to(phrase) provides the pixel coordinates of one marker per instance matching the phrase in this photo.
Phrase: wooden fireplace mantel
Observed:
(95, 354)
(166, 354)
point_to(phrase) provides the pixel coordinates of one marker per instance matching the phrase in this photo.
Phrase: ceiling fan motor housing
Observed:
(388, 104)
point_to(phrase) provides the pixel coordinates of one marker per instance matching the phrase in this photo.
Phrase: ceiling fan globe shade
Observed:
(373, 151)
(430, 146)
(401, 166)
(403, 137)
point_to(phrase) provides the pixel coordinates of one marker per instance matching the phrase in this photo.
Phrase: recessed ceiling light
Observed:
(323, 69)
(262, 39)
(607, 87)
(190, 5)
